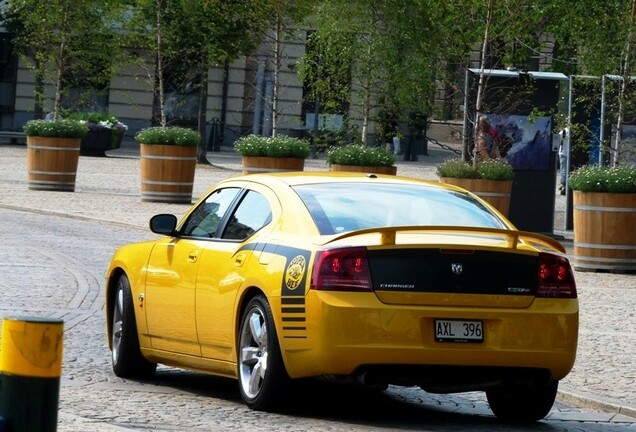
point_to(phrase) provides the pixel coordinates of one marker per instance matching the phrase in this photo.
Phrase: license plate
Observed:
(459, 331)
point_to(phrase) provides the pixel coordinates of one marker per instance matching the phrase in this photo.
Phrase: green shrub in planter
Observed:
(360, 155)
(492, 169)
(97, 117)
(589, 178)
(171, 135)
(326, 139)
(105, 132)
(56, 128)
(281, 146)
(456, 168)
(99, 120)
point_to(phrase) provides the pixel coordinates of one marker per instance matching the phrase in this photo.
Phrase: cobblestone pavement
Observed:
(108, 190)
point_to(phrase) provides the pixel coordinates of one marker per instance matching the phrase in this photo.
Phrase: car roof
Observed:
(295, 178)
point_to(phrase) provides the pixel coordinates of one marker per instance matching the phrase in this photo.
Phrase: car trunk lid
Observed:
(453, 277)
(453, 266)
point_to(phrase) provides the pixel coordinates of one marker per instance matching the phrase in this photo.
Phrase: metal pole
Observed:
(30, 368)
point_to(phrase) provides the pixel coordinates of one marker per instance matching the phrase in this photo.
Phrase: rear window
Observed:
(341, 207)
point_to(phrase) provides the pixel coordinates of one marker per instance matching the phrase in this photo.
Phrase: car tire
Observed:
(128, 362)
(263, 380)
(518, 403)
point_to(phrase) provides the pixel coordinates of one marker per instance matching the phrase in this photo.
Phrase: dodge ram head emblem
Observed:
(457, 268)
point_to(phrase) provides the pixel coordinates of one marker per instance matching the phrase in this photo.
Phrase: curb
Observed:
(588, 400)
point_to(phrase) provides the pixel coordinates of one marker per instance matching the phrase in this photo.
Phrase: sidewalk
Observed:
(108, 190)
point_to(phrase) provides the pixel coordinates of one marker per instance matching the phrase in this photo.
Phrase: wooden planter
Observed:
(389, 170)
(52, 163)
(604, 235)
(167, 173)
(262, 164)
(495, 192)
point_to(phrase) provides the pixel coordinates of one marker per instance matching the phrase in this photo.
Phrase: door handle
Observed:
(193, 256)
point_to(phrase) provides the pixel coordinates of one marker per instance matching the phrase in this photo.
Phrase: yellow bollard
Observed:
(30, 369)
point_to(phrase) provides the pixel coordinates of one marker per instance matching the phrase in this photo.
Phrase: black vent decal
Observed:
(293, 285)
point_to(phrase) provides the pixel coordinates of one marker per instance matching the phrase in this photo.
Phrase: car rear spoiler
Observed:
(389, 234)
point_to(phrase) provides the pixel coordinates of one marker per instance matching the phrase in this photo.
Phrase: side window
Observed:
(205, 219)
(252, 214)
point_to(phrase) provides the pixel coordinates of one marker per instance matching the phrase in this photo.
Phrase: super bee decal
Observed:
(293, 312)
(293, 285)
(295, 272)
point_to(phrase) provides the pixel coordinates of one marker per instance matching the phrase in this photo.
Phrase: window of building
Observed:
(8, 73)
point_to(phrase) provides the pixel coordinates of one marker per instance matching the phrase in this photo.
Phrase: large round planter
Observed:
(262, 164)
(389, 170)
(495, 192)
(604, 235)
(52, 163)
(167, 173)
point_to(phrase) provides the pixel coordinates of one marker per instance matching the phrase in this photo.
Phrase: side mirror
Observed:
(165, 224)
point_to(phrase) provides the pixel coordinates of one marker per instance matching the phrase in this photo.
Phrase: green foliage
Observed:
(360, 155)
(171, 135)
(66, 43)
(281, 146)
(325, 70)
(495, 170)
(456, 168)
(621, 179)
(93, 117)
(200, 33)
(380, 47)
(334, 138)
(98, 120)
(386, 125)
(597, 32)
(56, 128)
(194, 36)
(486, 170)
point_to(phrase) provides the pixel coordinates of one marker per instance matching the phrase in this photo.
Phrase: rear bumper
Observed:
(346, 333)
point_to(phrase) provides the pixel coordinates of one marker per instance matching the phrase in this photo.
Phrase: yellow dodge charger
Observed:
(379, 280)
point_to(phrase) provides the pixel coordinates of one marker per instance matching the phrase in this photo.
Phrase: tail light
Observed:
(555, 278)
(345, 269)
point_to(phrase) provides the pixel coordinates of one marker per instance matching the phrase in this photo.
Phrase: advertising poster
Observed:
(525, 143)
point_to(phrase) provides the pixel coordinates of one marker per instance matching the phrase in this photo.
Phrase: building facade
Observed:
(241, 96)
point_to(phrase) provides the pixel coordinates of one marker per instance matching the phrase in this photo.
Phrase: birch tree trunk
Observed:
(482, 81)
(57, 105)
(202, 156)
(277, 66)
(626, 73)
(366, 110)
(162, 107)
(58, 85)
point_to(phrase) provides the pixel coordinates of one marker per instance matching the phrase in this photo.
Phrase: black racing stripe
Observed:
(293, 300)
(278, 249)
(294, 319)
(293, 310)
